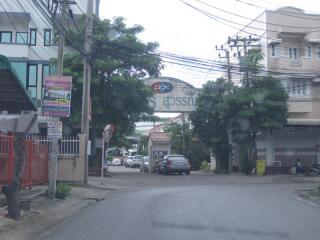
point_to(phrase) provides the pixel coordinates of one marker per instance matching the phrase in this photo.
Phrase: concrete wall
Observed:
(72, 168)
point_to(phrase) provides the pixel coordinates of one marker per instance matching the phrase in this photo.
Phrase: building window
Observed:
(5, 37)
(273, 50)
(45, 72)
(297, 87)
(308, 52)
(47, 37)
(33, 37)
(32, 80)
(21, 70)
(22, 37)
(293, 53)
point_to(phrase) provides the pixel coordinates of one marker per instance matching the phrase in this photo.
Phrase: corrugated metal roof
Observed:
(14, 98)
(159, 137)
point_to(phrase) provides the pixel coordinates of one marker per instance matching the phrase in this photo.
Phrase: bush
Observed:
(205, 166)
(63, 191)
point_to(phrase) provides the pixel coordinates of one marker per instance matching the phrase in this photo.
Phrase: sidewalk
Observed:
(46, 213)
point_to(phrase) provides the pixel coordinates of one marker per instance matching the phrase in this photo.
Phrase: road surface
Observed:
(195, 207)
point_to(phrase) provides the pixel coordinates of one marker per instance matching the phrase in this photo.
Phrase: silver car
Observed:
(136, 161)
(174, 164)
(144, 166)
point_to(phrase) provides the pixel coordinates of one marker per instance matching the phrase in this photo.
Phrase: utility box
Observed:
(261, 167)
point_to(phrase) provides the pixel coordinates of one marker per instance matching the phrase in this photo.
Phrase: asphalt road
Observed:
(195, 207)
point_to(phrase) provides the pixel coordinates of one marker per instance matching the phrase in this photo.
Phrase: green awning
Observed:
(14, 98)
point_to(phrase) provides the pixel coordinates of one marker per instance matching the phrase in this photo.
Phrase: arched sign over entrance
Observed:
(172, 95)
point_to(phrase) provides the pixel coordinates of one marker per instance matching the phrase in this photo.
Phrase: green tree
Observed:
(193, 149)
(120, 60)
(226, 112)
(262, 105)
(212, 117)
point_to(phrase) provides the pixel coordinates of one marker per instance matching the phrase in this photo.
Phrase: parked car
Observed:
(116, 162)
(144, 166)
(136, 161)
(174, 163)
(157, 162)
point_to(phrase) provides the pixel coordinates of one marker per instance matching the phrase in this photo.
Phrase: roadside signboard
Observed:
(172, 95)
(54, 130)
(57, 96)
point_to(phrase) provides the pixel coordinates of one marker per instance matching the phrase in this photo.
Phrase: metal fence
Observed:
(68, 146)
(6, 159)
(36, 162)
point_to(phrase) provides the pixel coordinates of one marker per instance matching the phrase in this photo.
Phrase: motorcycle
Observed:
(314, 170)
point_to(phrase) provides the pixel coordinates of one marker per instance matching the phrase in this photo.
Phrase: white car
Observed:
(116, 162)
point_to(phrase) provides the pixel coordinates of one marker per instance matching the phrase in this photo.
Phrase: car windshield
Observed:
(177, 159)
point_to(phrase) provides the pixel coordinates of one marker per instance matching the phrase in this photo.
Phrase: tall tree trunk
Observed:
(12, 192)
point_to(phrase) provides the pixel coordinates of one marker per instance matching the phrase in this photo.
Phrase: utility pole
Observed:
(53, 164)
(227, 56)
(86, 82)
(183, 132)
(245, 42)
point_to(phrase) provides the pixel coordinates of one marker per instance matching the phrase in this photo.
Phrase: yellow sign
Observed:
(261, 167)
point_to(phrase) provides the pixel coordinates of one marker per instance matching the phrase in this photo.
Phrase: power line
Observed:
(279, 5)
(213, 16)
(14, 26)
(251, 19)
(216, 18)
(281, 12)
(73, 42)
(18, 3)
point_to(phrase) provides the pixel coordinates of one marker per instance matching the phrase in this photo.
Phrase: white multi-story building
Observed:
(27, 39)
(290, 42)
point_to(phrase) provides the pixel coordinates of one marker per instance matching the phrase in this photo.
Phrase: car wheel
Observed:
(188, 173)
(180, 173)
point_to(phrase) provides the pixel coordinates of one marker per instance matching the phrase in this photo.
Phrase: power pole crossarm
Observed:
(228, 61)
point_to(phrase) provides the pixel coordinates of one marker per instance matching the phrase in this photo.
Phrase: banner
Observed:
(57, 96)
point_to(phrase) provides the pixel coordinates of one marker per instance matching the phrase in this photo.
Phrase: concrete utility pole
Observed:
(245, 43)
(86, 81)
(183, 132)
(53, 164)
(227, 56)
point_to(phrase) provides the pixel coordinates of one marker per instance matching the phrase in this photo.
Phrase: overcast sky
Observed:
(182, 30)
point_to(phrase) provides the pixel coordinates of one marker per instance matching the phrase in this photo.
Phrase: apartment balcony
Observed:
(299, 106)
(286, 64)
(14, 50)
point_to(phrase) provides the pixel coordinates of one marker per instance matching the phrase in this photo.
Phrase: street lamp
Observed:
(106, 136)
